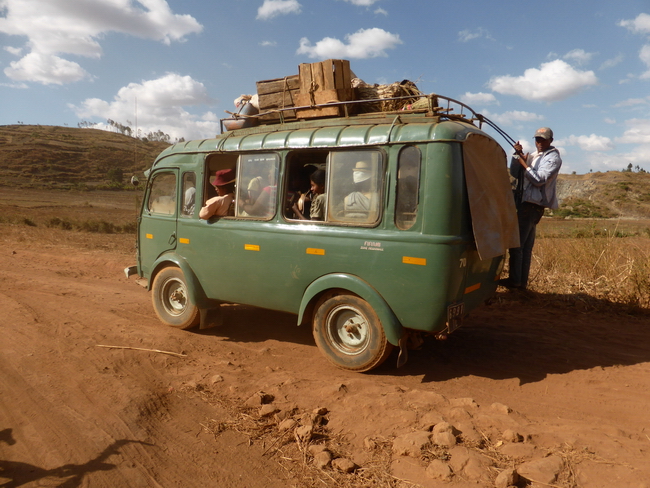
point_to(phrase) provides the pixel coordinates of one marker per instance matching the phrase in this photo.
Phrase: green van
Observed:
(416, 218)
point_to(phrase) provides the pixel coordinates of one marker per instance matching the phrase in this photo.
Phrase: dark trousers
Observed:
(528, 216)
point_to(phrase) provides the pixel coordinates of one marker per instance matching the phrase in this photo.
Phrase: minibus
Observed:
(417, 214)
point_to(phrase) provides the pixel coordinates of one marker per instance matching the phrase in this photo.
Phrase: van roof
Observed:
(333, 132)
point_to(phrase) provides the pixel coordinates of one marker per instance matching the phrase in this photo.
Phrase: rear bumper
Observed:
(130, 271)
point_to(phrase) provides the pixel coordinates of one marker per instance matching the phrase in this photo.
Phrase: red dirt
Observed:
(573, 382)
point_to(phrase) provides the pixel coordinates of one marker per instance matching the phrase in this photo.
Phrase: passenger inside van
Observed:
(316, 197)
(189, 194)
(362, 203)
(298, 201)
(263, 205)
(223, 203)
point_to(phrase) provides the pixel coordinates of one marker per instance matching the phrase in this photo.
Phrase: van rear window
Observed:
(408, 187)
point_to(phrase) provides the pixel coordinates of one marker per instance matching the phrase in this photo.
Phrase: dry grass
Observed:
(610, 266)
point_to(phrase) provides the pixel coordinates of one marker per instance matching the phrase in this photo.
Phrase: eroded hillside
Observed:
(64, 157)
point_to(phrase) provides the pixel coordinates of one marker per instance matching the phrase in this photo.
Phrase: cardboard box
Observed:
(277, 94)
(324, 82)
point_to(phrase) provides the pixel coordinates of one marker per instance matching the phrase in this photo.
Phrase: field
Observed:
(552, 384)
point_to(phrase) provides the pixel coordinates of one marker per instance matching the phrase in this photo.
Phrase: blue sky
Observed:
(580, 67)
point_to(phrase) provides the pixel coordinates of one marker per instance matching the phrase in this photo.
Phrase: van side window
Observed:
(189, 194)
(355, 187)
(301, 193)
(162, 195)
(257, 186)
(408, 187)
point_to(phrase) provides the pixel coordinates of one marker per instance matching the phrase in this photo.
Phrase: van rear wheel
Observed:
(171, 299)
(349, 333)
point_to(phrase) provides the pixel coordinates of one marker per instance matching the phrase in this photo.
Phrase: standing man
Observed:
(539, 171)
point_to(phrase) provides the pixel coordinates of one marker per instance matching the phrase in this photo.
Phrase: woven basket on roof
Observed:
(365, 91)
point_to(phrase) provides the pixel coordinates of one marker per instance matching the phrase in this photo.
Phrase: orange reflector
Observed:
(472, 288)
(251, 247)
(149, 236)
(410, 260)
(184, 240)
(317, 252)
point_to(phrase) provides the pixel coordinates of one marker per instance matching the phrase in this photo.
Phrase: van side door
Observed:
(157, 231)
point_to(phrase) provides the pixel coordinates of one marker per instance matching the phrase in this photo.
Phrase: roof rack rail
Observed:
(438, 105)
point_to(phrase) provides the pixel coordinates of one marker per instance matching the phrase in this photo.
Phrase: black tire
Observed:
(171, 299)
(349, 333)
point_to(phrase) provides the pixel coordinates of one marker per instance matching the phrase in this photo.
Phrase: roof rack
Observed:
(436, 106)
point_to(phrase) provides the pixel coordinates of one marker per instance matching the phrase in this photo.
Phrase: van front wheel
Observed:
(171, 299)
(348, 331)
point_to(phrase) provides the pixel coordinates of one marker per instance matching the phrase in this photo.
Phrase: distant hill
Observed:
(65, 157)
(605, 195)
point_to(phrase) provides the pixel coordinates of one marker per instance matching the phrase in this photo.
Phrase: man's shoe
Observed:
(507, 283)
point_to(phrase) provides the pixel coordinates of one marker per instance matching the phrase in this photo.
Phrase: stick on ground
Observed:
(178, 355)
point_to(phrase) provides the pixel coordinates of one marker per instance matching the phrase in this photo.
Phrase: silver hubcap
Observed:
(347, 329)
(174, 296)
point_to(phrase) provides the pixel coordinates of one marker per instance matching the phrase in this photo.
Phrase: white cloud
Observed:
(57, 27)
(513, 117)
(268, 43)
(610, 63)
(591, 142)
(638, 132)
(381, 11)
(362, 3)
(273, 8)
(632, 102)
(609, 120)
(579, 56)
(161, 106)
(16, 51)
(644, 55)
(479, 98)
(553, 81)
(640, 25)
(467, 35)
(365, 43)
(45, 69)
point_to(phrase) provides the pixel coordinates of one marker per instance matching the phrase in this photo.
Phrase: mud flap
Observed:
(403, 355)
(210, 317)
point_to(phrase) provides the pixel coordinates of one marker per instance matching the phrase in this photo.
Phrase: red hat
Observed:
(224, 177)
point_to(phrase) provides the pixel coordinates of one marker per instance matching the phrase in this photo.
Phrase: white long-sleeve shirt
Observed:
(540, 177)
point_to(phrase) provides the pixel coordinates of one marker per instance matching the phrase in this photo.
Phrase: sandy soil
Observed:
(527, 380)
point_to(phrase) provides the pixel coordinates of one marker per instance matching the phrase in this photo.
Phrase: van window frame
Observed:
(154, 193)
(401, 184)
(353, 154)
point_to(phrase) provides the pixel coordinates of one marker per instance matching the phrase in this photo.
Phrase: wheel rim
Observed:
(174, 297)
(347, 329)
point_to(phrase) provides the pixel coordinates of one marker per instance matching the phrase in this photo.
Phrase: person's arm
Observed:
(209, 209)
(548, 167)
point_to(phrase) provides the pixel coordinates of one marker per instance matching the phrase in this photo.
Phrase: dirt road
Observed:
(526, 381)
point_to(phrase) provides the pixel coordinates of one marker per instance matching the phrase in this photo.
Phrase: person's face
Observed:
(221, 190)
(316, 188)
(542, 144)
